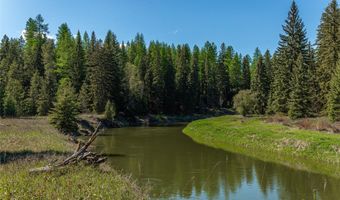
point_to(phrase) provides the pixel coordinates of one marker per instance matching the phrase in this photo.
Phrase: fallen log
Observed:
(81, 153)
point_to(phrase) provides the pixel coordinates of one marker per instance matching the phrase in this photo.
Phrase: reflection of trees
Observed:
(178, 166)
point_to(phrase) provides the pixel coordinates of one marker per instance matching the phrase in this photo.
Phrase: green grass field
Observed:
(32, 142)
(302, 149)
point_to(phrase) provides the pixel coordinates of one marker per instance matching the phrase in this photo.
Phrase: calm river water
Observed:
(178, 168)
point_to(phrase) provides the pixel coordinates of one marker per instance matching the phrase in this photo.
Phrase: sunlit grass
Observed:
(30, 143)
(303, 149)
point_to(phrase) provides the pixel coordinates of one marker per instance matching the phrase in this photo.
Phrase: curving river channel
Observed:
(178, 168)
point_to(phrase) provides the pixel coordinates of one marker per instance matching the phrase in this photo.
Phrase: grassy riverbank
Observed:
(32, 142)
(303, 149)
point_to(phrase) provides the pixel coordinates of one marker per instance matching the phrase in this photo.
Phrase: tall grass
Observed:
(31, 142)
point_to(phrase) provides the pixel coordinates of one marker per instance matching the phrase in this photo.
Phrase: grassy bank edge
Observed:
(32, 142)
(313, 151)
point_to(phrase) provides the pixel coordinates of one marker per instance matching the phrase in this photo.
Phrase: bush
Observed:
(244, 102)
(110, 111)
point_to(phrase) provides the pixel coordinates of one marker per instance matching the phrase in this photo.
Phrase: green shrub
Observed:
(110, 111)
(244, 102)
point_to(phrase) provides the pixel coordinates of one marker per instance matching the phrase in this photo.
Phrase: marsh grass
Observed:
(303, 149)
(31, 142)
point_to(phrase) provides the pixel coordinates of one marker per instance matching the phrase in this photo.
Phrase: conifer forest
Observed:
(301, 78)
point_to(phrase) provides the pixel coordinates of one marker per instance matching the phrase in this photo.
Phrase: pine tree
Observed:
(155, 78)
(14, 99)
(138, 55)
(299, 104)
(210, 65)
(106, 74)
(86, 92)
(259, 86)
(34, 93)
(235, 74)
(64, 51)
(50, 84)
(268, 65)
(313, 84)
(43, 103)
(77, 73)
(63, 115)
(328, 48)
(169, 79)
(86, 97)
(292, 43)
(246, 76)
(333, 103)
(4, 52)
(35, 37)
(256, 56)
(222, 77)
(182, 73)
(194, 82)
(86, 43)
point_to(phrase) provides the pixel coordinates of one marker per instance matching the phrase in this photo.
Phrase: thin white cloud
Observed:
(175, 31)
(23, 32)
(52, 37)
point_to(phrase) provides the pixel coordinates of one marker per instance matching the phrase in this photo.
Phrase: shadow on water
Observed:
(178, 168)
(6, 157)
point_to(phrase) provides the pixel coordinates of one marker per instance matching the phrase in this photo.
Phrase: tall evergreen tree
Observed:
(106, 75)
(256, 56)
(267, 61)
(292, 43)
(77, 73)
(222, 77)
(169, 79)
(64, 51)
(14, 99)
(35, 36)
(246, 76)
(235, 74)
(182, 73)
(138, 55)
(313, 84)
(299, 104)
(194, 82)
(86, 94)
(50, 84)
(333, 102)
(259, 86)
(4, 52)
(34, 93)
(328, 48)
(210, 63)
(155, 78)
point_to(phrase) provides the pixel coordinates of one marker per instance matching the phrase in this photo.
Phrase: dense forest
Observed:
(39, 75)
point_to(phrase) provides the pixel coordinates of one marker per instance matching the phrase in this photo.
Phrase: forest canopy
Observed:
(298, 79)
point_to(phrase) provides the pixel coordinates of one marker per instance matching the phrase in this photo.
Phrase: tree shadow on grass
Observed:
(6, 157)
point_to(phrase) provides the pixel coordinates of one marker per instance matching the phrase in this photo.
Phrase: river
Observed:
(178, 168)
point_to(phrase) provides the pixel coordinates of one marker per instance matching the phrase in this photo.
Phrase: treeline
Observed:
(160, 78)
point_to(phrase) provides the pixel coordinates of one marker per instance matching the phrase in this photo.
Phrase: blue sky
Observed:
(244, 24)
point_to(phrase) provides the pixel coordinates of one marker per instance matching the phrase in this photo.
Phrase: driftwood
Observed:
(80, 154)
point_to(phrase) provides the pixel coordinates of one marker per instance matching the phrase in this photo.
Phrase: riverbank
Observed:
(87, 122)
(31, 142)
(301, 149)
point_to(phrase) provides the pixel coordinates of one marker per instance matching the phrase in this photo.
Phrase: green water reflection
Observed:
(178, 168)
